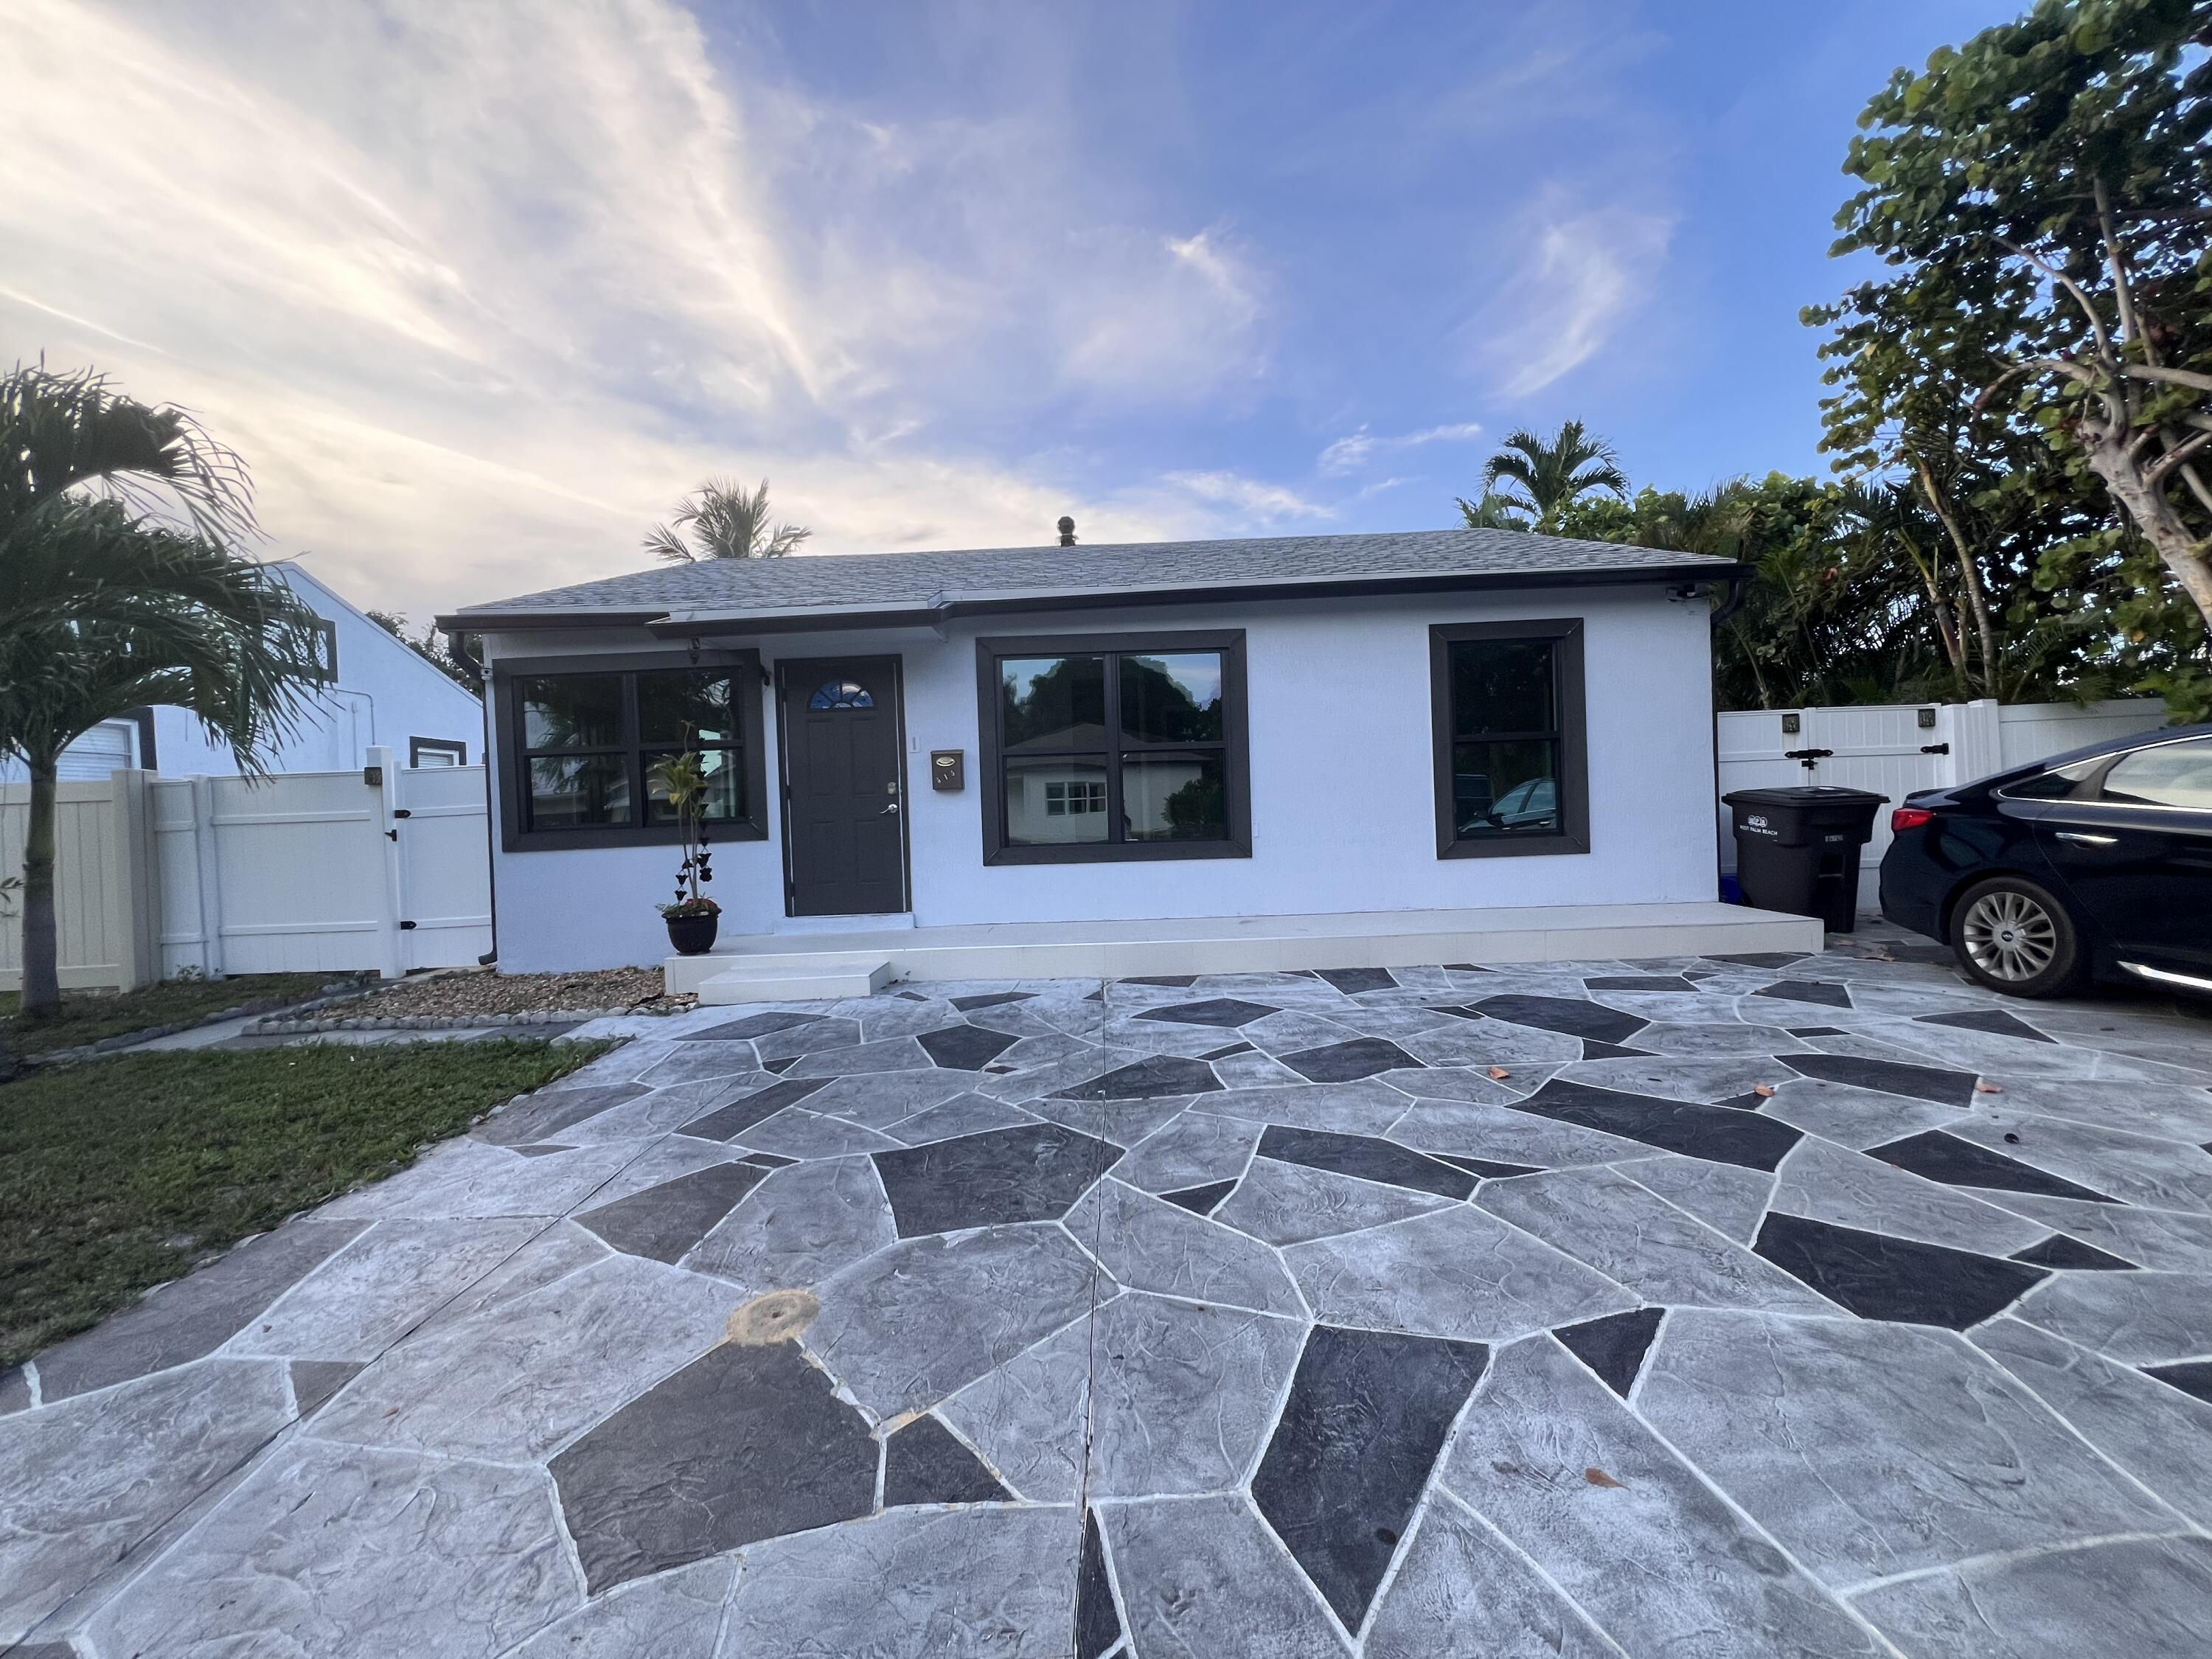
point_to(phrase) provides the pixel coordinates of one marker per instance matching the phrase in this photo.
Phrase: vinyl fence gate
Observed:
(1893, 749)
(384, 869)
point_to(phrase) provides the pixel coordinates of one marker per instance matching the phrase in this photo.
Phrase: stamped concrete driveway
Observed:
(1703, 1308)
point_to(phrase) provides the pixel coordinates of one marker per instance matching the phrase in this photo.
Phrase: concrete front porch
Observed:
(786, 966)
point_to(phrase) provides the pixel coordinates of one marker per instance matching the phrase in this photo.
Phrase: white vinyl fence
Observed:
(1893, 749)
(384, 869)
(103, 899)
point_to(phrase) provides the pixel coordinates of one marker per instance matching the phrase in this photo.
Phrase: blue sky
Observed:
(479, 290)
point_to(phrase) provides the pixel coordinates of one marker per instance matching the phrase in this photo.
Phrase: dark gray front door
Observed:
(844, 810)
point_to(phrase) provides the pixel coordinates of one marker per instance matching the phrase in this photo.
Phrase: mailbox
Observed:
(947, 769)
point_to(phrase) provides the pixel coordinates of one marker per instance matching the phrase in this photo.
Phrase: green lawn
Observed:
(88, 1016)
(116, 1174)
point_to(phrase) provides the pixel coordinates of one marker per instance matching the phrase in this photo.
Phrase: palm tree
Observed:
(103, 608)
(1541, 477)
(725, 523)
(1493, 512)
(1718, 520)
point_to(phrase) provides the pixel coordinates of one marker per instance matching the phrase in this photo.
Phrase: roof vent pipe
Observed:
(1066, 531)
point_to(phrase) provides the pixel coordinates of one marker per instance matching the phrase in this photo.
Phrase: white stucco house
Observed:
(379, 691)
(1175, 757)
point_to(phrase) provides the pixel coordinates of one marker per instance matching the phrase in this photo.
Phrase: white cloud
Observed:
(1586, 273)
(1158, 312)
(1381, 484)
(1354, 451)
(1250, 501)
(478, 290)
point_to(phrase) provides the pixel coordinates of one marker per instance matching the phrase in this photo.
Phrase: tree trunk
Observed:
(1970, 578)
(42, 991)
(2146, 503)
(1984, 630)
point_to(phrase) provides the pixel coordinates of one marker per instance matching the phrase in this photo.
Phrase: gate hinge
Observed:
(1935, 748)
(401, 812)
(406, 926)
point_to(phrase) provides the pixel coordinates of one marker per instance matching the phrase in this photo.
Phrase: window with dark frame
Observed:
(326, 651)
(583, 745)
(1508, 713)
(1103, 748)
(436, 752)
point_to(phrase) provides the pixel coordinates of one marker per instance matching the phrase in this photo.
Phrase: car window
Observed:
(2051, 785)
(2172, 775)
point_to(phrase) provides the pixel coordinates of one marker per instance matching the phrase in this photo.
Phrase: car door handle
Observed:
(2082, 839)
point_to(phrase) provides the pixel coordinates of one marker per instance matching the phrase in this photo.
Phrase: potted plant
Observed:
(693, 918)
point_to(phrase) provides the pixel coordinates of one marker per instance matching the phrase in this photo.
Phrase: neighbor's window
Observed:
(1114, 748)
(1508, 712)
(588, 745)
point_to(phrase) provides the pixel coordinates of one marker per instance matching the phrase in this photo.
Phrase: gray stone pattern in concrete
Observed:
(1820, 1305)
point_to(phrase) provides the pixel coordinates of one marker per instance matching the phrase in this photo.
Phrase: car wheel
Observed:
(2012, 936)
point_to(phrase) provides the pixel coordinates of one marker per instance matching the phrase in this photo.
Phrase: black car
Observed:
(2095, 863)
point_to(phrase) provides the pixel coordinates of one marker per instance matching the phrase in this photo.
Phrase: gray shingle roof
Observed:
(900, 581)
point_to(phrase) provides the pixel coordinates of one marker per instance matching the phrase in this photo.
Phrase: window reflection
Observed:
(1053, 703)
(589, 742)
(582, 711)
(1505, 738)
(1055, 799)
(1173, 798)
(1171, 699)
(572, 792)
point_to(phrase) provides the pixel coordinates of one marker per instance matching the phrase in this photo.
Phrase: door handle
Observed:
(2080, 839)
(893, 807)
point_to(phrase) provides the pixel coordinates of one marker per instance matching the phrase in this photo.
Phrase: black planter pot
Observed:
(692, 936)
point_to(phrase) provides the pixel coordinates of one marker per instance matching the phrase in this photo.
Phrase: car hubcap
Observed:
(2009, 936)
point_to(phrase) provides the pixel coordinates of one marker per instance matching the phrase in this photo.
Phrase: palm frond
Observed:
(1542, 476)
(724, 521)
(62, 434)
(101, 612)
(1494, 512)
(663, 543)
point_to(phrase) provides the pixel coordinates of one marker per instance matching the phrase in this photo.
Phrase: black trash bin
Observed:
(1798, 849)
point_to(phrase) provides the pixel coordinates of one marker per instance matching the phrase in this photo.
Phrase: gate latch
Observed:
(1812, 757)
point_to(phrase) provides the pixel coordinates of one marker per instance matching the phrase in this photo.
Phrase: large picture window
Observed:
(583, 740)
(1098, 747)
(1508, 710)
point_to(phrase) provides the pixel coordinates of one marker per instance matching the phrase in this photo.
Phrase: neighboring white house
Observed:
(1064, 742)
(381, 691)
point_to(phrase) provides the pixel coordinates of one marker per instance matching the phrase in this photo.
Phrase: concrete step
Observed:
(799, 978)
(1222, 945)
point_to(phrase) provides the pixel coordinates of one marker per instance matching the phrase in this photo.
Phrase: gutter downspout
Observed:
(1730, 604)
(490, 958)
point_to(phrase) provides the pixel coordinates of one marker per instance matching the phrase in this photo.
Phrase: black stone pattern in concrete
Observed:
(1613, 1347)
(1359, 1435)
(743, 1444)
(923, 1463)
(1565, 1310)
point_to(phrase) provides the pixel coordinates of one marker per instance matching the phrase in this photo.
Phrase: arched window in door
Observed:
(841, 694)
